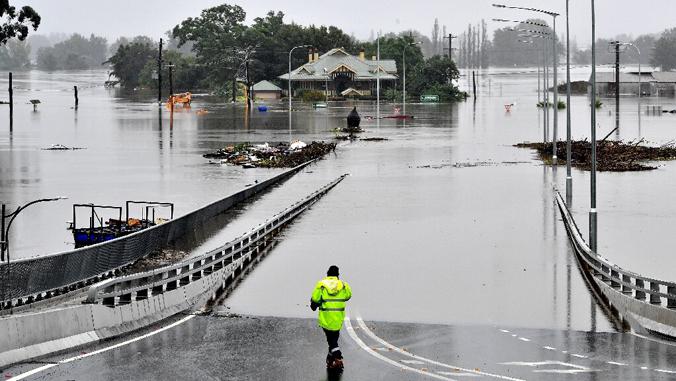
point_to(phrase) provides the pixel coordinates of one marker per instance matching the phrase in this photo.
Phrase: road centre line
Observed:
(368, 332)
(353, 335)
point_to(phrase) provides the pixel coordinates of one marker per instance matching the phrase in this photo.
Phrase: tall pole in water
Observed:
(547, 103)
(569, 176)
(555, 65)
(159, 74)
(403, 98)
(378, 80)
(593, 229)
(11, 103)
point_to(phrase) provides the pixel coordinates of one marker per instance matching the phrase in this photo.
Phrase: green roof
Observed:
(266, 86)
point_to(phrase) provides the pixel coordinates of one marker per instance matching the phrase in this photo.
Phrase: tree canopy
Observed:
(17, 23)
(664, 53)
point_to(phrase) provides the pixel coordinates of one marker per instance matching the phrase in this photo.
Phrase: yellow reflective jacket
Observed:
(331, 294)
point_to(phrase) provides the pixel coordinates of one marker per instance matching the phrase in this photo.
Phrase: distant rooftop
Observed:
(266, 86)
(338, 60)
(632, 77)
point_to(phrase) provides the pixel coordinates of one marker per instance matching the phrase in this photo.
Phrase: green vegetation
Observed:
(16, 24)
(223, 50)
(77, 52)
(312, 95)
(664, 53)
(15, 55)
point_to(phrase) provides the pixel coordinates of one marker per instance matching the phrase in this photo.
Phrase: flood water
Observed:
(445, 222)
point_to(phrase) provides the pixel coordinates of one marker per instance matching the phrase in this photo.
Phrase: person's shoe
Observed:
(337, 364)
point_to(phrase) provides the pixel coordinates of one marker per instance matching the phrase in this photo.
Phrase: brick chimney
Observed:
(310, 56)
(316, 56)
(361, 55)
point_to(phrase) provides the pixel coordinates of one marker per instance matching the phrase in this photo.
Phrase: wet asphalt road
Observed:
(235, 347)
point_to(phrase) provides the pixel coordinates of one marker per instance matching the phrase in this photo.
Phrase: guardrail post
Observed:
(604, 273)
(614, 275)
(655, 299)
(626, 289)
(640, 294)
(671, 301)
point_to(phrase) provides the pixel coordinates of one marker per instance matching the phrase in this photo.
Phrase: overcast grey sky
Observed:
(153, 17)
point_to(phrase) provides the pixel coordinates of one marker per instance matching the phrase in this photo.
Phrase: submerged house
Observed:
(265, 90)
(653, 83)
(341, 73)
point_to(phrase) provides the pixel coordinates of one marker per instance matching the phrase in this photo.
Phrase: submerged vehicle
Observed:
(102, 230)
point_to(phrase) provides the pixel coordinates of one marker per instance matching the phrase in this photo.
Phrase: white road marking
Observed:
(616, 363)
(665, 371)
(504, 331)
(106, 349)
(458, 374)
(523, 339)
(549, 348)
(412, 362)
(573, 368)
(368, 332)
(353, 335)
(579, 356)
(644, 367)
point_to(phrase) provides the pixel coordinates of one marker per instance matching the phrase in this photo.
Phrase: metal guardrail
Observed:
(648, 290)
(229, 258)
(31, 280)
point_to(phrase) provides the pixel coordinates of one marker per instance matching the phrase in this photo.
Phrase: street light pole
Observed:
(593, 228)
(289, 78)
(555, 65)
(404, 82)
(569, 176)
(4, 225)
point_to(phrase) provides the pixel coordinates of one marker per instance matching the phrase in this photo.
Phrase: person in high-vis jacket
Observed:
(330, 295)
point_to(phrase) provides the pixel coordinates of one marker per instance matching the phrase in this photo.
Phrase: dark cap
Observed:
(333, 271)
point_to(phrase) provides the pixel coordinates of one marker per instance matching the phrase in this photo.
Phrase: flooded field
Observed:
(446, 222)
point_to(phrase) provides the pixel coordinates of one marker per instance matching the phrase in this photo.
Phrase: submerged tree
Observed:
(16, 23)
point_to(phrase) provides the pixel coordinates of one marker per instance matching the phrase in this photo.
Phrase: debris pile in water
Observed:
(613, 156)
(281, 155)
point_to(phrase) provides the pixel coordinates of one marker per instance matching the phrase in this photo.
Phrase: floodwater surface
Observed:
(445, 222)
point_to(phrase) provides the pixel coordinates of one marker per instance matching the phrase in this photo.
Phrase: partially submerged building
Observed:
(266, 90)
(341, 73)
(653, 83)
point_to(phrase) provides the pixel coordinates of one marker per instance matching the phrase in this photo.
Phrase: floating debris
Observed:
(61, 147)
(281, 155)
(470, 164)
(374, 139)
(612, 156)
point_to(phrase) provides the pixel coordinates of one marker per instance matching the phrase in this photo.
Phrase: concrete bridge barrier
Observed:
(648, 304)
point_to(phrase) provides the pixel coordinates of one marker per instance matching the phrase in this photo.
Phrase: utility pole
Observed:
(11, 104)
(171, 79)
(617, 78)
(159, 74)
(248, 83)
(450, 44)
(77, 100)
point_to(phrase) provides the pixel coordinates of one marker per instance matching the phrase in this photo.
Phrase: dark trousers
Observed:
(332, 340)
